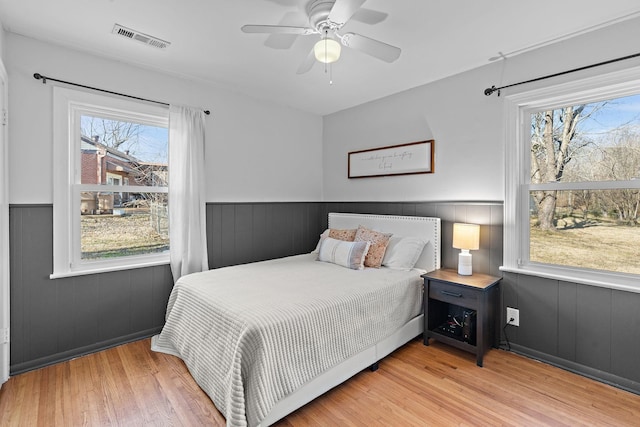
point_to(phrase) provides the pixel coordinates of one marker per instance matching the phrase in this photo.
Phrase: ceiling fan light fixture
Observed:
(327, 50)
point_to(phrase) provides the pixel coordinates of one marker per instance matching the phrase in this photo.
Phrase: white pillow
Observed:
(403, 252)
(346, 254)
(324, 235)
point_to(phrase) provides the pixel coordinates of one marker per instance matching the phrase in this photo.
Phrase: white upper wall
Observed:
(255, 151)
(2, 37)
(467, 126)
(464, 124)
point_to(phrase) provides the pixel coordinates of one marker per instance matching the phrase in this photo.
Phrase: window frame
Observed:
(517, 112)
(68, 106)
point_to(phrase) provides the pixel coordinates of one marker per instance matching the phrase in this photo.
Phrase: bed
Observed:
(265, 338)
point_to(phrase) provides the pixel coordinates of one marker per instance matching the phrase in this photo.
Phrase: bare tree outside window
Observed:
(598, 145)
(112, 133)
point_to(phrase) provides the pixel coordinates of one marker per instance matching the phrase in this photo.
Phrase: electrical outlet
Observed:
(513, 313)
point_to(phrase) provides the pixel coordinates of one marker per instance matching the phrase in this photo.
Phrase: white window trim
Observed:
(517, 108)
(67, 106)
(5, 318)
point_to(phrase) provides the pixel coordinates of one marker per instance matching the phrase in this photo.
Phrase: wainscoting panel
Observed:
(238, 233)
(593, 327)
(538, 305)
(625, 335)
(245, 232)
(567, 320)
(590, 330)
(55, 320)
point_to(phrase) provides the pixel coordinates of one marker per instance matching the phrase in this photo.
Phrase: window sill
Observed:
(110, 268)
(620, 282)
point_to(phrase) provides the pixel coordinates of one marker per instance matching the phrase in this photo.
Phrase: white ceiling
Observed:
(438, 38)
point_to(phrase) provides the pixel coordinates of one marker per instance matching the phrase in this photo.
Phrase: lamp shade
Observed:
(327, 50)
(466, 236)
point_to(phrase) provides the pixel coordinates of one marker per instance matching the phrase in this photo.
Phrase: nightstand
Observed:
(462, 311)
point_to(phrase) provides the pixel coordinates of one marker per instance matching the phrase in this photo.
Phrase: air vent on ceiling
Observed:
(141, 37)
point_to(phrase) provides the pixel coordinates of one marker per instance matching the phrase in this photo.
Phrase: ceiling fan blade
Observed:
(285, 41)
(280, 41)
(277, 29)
(307, 64)
(369, 16)
(372, 47)
(343, 10)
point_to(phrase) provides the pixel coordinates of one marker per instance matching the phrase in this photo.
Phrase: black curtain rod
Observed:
(488, 91)
(44, 79)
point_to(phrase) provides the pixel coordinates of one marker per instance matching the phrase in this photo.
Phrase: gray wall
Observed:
(55, 320)
(590, 330)
(246, 232)
(239, 233)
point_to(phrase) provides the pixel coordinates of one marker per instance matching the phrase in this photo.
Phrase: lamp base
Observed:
(465, 266)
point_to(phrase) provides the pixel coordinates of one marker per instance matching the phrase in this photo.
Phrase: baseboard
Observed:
(576, 368)
(80, 351)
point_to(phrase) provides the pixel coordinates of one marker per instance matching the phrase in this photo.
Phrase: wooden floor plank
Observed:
(416, 385)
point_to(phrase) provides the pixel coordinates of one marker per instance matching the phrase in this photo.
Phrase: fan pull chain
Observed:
(330, 70)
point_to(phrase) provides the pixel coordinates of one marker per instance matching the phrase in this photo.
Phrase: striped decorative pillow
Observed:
(346, 254)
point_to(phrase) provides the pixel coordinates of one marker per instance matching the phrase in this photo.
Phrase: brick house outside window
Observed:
(105, 165)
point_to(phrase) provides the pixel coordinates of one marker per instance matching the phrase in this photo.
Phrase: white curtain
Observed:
(187, 217)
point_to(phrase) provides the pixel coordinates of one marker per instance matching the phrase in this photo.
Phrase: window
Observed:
(110, 184)
(572, 205)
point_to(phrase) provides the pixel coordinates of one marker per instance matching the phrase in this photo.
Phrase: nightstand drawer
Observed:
(453, 294)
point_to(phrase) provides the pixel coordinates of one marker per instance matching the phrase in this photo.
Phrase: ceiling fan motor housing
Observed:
(318, 11)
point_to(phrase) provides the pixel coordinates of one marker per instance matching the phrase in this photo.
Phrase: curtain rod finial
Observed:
(207, 112)
(488, 91)
(39, 76)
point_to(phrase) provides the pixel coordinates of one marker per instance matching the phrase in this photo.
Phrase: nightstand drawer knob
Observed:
(451, 294)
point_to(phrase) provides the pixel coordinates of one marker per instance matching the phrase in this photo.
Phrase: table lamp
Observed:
(466, 237)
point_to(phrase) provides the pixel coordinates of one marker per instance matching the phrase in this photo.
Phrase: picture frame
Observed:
(402, 159)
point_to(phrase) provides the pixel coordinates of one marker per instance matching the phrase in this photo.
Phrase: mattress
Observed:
(252, 334)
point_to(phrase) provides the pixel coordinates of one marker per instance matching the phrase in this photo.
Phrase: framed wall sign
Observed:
(403, 159)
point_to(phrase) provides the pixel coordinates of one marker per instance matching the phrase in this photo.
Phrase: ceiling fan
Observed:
(326, 18)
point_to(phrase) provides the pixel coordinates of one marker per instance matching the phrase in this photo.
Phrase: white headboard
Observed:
(420, 226)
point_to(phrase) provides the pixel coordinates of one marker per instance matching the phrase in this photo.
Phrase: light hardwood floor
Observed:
(130, 385)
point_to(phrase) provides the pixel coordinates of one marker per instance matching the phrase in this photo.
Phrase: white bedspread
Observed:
(251, 334)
